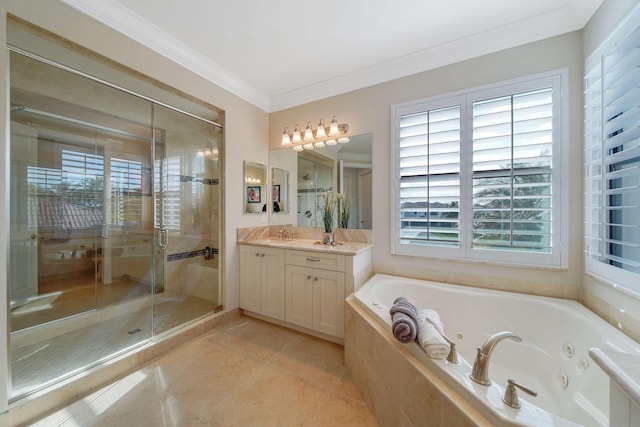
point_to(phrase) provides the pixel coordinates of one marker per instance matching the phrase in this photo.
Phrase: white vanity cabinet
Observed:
(315, 291)
(262, 281)
(301, 285)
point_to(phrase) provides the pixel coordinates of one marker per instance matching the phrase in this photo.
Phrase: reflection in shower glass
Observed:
(111, 208)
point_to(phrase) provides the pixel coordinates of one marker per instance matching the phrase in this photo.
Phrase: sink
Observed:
(274, 241)
(64, 257)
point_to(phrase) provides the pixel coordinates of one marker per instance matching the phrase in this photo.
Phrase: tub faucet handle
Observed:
(511, 394)
(452, 357)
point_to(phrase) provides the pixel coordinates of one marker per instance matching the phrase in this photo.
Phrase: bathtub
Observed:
(552, 358)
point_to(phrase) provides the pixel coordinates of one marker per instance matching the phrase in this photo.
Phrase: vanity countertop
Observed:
(622, 368)
(340, 248)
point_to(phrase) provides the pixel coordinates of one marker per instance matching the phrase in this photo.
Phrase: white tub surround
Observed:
(552, 359)
(624, 372)
(300, 283)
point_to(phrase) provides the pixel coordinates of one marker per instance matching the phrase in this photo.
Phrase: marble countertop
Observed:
(341, 248)
(622, 368)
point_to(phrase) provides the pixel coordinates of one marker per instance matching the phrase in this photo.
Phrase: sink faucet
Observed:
(480, 372)
(75, 250)
(282, 234)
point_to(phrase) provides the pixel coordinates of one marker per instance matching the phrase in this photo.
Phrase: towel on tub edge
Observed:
(430, 334)
(404, 317)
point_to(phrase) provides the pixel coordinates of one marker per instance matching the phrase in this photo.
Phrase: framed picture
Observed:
(253, 194)
(276, 193)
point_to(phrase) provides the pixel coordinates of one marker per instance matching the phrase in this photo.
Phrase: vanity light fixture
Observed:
(252, 180)
(320, 137)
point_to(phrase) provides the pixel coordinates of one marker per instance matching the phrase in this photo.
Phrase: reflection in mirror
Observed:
(280, 191)
(346, 168)
(315, 178)
(255, 194)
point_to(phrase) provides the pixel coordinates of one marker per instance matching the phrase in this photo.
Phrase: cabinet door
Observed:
(250, 278)
(272, 290)
(328, 302)
(299, 305)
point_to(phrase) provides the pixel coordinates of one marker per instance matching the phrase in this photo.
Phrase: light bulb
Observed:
(308, 146)
(343, 140)
(296, 135)
(308, 133)
(318, 144)
(286, 139)
(333, 127)
(320, 132)
(298, 148)
(332, 142)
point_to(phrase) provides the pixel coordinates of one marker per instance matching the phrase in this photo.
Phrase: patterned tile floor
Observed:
(244, 373)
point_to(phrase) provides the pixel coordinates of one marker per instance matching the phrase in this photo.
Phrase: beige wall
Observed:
(369, 111)
(618, 308)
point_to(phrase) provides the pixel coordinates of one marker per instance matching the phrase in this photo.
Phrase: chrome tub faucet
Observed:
(480, 372)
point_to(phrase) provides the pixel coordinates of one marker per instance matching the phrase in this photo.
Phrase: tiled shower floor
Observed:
(243, 373)
(61, 353)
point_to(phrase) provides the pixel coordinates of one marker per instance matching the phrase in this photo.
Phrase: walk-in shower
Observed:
(115, 200)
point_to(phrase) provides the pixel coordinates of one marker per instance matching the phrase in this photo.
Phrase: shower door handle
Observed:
(163, 238)
(105, 231)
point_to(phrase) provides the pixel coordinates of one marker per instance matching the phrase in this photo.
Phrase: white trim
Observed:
(114, 15)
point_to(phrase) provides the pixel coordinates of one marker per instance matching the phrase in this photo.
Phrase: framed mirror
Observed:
(255, 187)
(349, 168)
(279, 191)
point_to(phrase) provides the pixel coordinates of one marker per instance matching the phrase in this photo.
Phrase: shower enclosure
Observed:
(114, 220)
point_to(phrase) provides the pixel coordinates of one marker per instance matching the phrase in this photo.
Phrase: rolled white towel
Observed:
(430, 334)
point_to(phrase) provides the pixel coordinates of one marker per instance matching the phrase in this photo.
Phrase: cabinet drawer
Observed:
(316, 260)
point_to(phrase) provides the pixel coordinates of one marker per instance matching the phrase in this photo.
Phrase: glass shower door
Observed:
(82, 233)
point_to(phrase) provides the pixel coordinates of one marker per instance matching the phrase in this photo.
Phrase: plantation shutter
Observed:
(613, 155)
(167, 186)
(429, 168)
(512, 172)
(126, 191)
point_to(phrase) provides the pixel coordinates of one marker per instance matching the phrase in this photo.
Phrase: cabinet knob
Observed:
(308, 277)
(261, 255)
(315, 279)
(257, 254)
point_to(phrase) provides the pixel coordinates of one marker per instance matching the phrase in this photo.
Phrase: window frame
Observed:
(558, 257)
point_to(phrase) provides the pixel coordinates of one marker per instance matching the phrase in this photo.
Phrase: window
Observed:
(68, 197)
(478, 174)
(612, 157)
(167, 185)
(126, 191)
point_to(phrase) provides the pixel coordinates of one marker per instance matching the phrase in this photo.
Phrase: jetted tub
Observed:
(552, 358)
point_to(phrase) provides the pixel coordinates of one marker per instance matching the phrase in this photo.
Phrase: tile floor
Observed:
(41, 362)
(244, 373)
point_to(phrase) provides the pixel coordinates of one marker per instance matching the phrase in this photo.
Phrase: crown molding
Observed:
(112, 14)
(505, 37)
